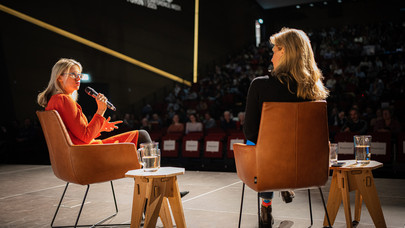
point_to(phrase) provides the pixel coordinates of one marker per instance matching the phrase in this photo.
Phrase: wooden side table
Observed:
(350, 177)
(157, 187)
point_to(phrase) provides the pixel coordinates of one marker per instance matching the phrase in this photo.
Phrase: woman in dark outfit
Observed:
(295, 78)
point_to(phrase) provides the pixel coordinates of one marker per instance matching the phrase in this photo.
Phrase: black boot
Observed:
(266, 219)
(287, 196)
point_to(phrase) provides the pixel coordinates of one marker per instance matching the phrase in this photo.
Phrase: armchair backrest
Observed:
(58, 142)
(292, 150)
(84, 164)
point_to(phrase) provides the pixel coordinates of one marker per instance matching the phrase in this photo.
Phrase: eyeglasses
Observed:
(74, 75)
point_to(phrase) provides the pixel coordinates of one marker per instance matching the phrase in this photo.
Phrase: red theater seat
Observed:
(170, 144)
(381, 146)
(156, 136)
(213, 145)
(234, 137)
(192, 144)
(346, 147)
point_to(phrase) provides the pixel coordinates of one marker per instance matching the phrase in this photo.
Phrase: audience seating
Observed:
(346, 147)
(234, 137)
(192, 144)
(381, 146)
(213, 144)
(170, 145)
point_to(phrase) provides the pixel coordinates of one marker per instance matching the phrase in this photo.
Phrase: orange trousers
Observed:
(130, 136)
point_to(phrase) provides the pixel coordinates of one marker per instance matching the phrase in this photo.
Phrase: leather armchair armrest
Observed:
(99, 163)
(246, 167)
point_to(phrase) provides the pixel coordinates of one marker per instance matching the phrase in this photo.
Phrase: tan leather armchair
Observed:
(84, 164)
(292, 149)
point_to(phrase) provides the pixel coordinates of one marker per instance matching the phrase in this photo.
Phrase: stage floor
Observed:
(29, 195)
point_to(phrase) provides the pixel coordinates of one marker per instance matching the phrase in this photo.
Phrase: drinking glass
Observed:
(362, 151)
(149, 156)
(333, 155)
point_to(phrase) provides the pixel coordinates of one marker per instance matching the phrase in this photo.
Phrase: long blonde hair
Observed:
(299, 63)
(54, 87)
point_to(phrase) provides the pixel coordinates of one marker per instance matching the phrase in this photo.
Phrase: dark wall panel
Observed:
(162, 38)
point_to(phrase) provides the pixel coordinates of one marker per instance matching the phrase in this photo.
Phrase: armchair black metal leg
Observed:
(60, 201)
(310, 207)
(258, 209)
(116, 207)
(241, 204)
(81, 208)
(324, 207)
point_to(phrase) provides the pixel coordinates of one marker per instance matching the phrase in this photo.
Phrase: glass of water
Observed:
(149, 156)
(362, 144)
(333, 154)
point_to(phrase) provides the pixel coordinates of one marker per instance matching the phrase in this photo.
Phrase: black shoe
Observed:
(266, 219)
(287, 196)
(182, 194)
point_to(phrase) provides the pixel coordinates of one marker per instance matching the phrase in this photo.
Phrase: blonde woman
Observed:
(295, 78)
(61, 95)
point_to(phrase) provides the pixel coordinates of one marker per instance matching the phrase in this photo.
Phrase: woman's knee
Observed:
(143, 136)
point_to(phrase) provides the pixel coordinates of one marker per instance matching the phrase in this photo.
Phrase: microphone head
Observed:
(90, 91)
(270, 68)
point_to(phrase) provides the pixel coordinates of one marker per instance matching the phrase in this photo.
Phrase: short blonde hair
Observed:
(54, 87)
(299, 63)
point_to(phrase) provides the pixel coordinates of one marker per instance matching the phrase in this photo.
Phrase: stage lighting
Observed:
(86, 78)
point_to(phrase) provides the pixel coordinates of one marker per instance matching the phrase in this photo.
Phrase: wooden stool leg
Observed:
(176, 205)
(366, 186)
(334, 200)
(155, 193)
(165, 214)
(344, 186)
(138, 202)
(357, 208)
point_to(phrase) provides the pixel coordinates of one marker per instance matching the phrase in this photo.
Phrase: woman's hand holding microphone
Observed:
(101, 108)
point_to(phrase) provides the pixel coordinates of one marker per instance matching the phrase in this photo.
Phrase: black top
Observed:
(265, 89)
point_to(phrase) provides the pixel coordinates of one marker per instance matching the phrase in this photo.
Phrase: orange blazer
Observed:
(79, 129)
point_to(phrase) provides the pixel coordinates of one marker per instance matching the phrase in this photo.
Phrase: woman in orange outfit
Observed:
(61, 95)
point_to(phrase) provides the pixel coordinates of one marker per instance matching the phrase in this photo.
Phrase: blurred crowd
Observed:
(363, 68)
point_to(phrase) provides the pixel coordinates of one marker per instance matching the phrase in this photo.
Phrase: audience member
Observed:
(145, 125)
(355, 124)
(376, 118)
(209, 122)
(176, 126)
(193, 125)
(127, 121)
(388, 124)
(156, 122)
(227, 122)
(241, 121)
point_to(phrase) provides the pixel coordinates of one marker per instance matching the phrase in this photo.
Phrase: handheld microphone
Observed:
(90, 91)
(270, 68)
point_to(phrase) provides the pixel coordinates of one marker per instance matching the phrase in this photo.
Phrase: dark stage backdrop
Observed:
(162, 38)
